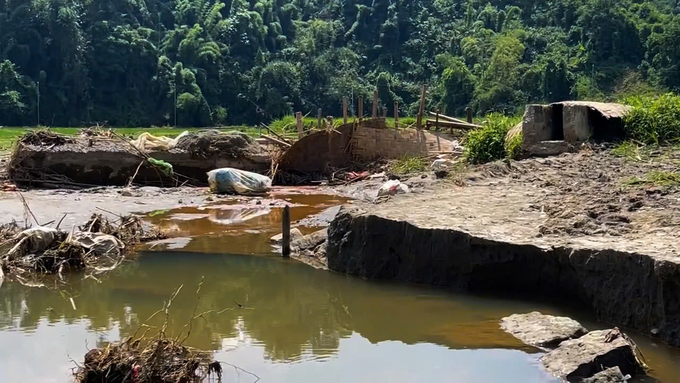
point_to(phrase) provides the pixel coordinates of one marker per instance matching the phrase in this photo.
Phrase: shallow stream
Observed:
(280, 320)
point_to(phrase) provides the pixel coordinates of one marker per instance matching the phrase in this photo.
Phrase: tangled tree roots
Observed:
(130, 230)
(210, 142)
(43, 138)
(161, 360)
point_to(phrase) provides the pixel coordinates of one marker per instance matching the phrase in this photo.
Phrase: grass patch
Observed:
(487, 143)
(513, 147)
(628, 150)
(409, 165)
(653, 120)
(288, 124)
(656, 178)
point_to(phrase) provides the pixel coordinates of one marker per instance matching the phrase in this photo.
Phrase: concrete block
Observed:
(537, 125)
(575, 122)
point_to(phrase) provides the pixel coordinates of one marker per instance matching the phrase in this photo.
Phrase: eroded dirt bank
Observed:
(566, 226)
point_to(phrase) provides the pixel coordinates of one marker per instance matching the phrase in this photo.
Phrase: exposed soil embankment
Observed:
(84, 160)
(564, 226)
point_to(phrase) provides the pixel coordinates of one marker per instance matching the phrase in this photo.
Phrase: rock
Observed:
(610, 375)
(584, 357)
(322, 219)
(295, 234)
(548, 148)
(310, 241)
(126, 193)
(540, 330)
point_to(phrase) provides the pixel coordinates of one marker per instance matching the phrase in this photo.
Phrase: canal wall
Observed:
(631, 289)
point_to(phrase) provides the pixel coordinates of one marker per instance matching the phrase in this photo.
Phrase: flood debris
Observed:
(98, 246)
(99, 157)
(156, 359)
(235, 181)
(543, 331)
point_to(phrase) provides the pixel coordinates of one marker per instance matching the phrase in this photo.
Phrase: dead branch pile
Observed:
(96, 131)
(43, 138)
(211, 142)
(98, 246)
(157, 359)
(161, 360)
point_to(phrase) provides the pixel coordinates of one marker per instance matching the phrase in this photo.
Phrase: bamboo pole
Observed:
(319, 118)
(421, 111)
(298, 116)
(436, 128)
(375, 104)
(469, 115)
(285, 240)
(361, 107)
(344, 110)
(396, 115)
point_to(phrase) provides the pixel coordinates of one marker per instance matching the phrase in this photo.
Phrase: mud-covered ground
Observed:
(592, 198)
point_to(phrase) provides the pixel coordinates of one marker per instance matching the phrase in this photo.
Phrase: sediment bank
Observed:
(631, 289)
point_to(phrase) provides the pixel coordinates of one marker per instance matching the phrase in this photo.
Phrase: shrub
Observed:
(513, 146)
(488, 142)
(653, 120)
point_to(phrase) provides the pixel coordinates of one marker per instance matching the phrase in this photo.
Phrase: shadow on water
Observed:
(279, 318)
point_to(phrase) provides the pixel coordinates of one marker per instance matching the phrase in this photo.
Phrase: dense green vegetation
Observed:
(653, 120)
(488, 143)
(209, 62)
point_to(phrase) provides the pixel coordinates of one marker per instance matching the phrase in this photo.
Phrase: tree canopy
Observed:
(210, 62)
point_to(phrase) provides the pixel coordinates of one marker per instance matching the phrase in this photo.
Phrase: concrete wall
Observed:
(369, 144)
(576, 125)
(537, 125)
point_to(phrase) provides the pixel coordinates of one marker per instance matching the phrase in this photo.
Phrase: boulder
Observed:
(309, 241)
(538, 330)
(582, 358)
(610, 375)
(295, 234)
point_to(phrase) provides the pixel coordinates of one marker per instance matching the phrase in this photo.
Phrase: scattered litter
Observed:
(234, 181)
(147, 142)
(161, 165)
(392, 187)
(440, 165)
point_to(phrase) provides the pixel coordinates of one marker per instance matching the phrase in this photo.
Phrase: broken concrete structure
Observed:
(553, 129)
(367, 141)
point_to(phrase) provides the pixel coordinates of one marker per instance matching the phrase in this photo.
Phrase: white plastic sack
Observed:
(33, 240)
(392, 187)
(235, 181)
(98, 243)
(148, 142)
(442, 164)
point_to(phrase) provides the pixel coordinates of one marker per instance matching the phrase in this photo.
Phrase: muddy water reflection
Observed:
(240, 225)
(297, 324)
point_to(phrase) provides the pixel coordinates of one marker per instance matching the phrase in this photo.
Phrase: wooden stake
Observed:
(285, 241)
(396, 115)
(436, 128)
(361, 107)
(421, 111)
(384, 112)
(298, 116)
(375, 104)
(344, 110)
(469, 115)
(319, 118)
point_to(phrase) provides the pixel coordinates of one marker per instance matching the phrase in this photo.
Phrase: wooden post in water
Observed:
(344, 110)
(396, 115)
(375, 104)
(469, 115)
(285, 241)
(319, 118)
(298, 116)
(361, 107)
(421, 111)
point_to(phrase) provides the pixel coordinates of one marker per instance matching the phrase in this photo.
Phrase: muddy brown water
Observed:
(281, 320)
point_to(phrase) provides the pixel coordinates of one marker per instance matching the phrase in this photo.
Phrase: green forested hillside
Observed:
(248, 61)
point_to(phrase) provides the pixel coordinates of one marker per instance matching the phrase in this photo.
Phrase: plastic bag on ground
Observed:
(235, 181)
(33, 240)
(392, 187)
(98, 243)
(148, 142)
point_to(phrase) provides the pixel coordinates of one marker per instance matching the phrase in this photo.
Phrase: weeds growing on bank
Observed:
(409, 165)
(657, 178)
(653, 120)
(488, 144)
(628, 150)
